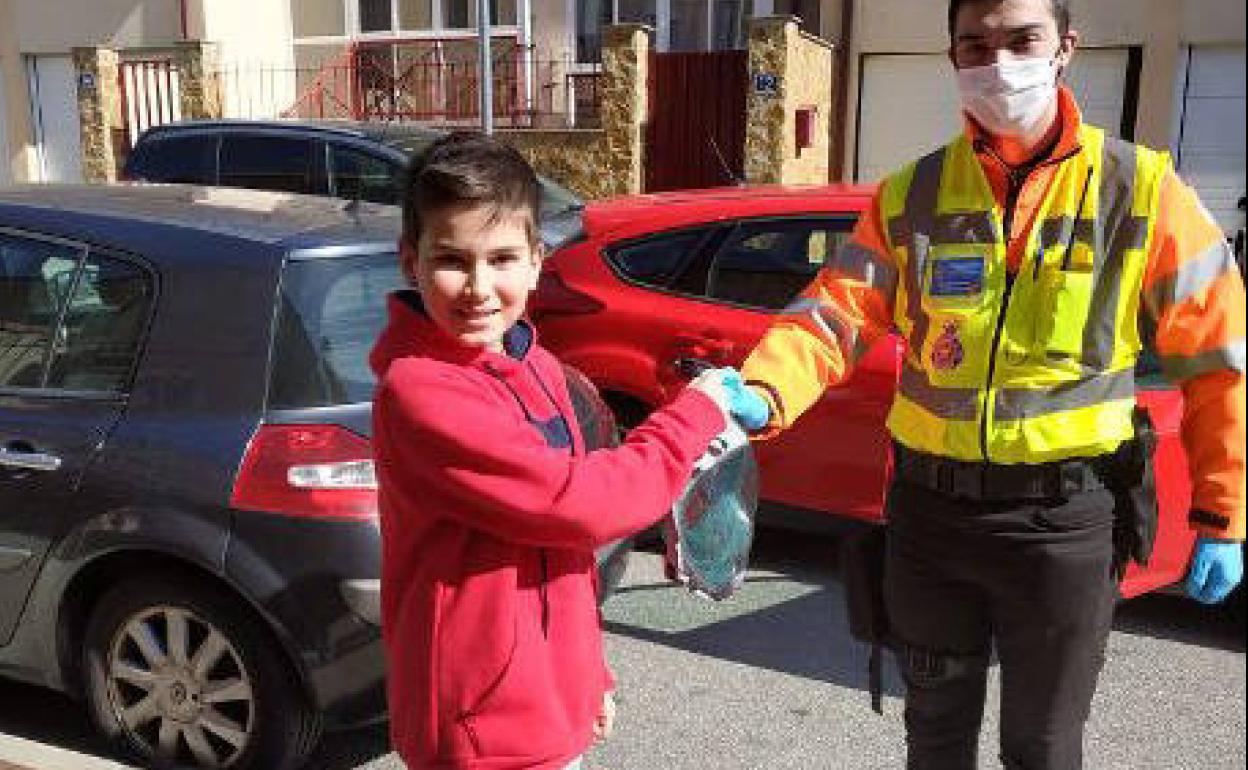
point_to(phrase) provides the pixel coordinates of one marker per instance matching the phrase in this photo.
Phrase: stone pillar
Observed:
(789, 71)
(625, 76)
(198, 66)
(99, 111)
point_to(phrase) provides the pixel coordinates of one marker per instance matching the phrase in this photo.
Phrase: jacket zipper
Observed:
(1016, 184)
(1011, 201)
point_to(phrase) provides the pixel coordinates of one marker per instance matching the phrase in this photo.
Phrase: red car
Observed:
(655, 280)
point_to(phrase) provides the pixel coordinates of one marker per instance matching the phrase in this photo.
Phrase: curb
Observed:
(21, 754)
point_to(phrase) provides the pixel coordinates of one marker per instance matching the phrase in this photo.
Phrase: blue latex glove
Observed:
(1217, 567)
(746, 406)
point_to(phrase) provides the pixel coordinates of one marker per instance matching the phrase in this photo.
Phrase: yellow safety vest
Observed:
(1032, 367)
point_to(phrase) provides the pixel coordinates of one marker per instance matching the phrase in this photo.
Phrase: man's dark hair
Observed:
(466, 167)
(1060, 8)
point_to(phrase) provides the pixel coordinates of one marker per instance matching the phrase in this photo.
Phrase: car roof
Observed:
(285, 219)
(658, 211)
(388, 133)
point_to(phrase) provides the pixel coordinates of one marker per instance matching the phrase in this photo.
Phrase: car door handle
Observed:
(30, 461)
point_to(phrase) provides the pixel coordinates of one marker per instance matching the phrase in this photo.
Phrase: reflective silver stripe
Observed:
(945, 403)
(1117, 232)
(839, 332)
(1056, 232)
(964, 227)
(856, 261)
(1193, 277)
(1179, 368)
(914, 228)
(1022, 403)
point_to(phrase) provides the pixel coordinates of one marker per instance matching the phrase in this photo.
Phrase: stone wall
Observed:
(100, 99)
(609, 161)
(99, 111)
(801, 68)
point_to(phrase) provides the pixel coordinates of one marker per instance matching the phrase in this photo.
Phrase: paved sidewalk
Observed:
(21, 754)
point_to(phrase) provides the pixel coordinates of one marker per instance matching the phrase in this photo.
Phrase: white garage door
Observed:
(1211, 142)
(908, 103)
(54, 116)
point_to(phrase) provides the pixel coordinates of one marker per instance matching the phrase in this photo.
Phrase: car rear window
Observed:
(331, 311)
(175, 159)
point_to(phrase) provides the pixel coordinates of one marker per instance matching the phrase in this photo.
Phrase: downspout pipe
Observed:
(836, 163)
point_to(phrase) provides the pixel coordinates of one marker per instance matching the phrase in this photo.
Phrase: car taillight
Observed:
(321, 471)
(554, 297)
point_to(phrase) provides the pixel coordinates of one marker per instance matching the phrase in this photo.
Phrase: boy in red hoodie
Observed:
(490, 506)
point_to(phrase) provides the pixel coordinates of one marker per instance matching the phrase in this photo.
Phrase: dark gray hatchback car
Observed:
(337, 158)
(188, 534)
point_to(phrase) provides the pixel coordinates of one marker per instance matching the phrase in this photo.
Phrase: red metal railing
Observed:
(438, 81)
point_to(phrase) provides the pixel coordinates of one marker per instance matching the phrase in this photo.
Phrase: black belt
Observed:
(993, 481)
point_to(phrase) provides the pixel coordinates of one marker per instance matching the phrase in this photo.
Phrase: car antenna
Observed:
(723, 164)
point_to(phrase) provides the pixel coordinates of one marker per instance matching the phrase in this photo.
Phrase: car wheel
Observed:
(179, 675)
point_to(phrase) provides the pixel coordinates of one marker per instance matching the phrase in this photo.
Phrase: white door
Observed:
(908, 103)
(54, 116)
(6, 159)
(1211, 139)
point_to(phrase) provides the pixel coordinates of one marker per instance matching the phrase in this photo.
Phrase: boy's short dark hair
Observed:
(1060, 8)
(468, 167)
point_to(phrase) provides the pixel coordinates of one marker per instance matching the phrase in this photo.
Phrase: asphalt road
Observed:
(771, 679)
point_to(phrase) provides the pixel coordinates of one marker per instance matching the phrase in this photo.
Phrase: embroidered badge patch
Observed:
(947, 351)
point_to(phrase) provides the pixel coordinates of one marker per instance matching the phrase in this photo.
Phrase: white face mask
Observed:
(1009, 98)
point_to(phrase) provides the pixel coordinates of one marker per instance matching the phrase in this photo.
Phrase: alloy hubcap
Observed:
(180, 690)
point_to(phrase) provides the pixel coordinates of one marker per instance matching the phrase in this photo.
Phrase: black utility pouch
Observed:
(862, 572)
(1135, 493)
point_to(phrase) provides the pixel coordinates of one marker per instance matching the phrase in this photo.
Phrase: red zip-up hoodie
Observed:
(490, 514)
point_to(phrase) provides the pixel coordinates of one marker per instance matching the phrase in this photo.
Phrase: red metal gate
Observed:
(696, 132)
(151, 94)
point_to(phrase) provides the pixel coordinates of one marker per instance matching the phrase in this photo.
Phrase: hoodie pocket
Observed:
(525, 712)
(476, 650)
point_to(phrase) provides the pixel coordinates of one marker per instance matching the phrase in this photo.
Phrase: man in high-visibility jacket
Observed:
(1026, 264)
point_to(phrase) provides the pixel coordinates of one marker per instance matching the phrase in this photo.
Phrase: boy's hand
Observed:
(711, 383)
(605, 722)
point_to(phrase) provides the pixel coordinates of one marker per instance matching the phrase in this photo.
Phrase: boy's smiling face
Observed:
(474, 266)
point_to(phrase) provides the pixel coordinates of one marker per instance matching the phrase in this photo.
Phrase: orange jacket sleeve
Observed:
(1194, 311)
(813, 344)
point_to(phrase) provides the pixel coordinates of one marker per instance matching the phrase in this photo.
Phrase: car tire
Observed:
(227, 699)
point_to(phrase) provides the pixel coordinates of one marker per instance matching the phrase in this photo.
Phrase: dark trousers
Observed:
(1034, 579)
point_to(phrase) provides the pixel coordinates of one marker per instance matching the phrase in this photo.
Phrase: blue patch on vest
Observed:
(957, 277)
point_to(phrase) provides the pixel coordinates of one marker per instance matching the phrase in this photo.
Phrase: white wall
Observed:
(55, 26)
(255, 42)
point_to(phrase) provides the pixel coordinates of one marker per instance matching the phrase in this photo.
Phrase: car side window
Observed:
(657, 261)
(355, 174)
(176, 159)
(259, 162)
(765, 264)
(103, 327)
(35, 279)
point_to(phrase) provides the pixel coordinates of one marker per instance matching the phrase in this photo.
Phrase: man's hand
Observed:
(605, 722)
(1217, 567)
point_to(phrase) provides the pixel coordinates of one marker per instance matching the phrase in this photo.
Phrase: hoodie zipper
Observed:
(1016, 182)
